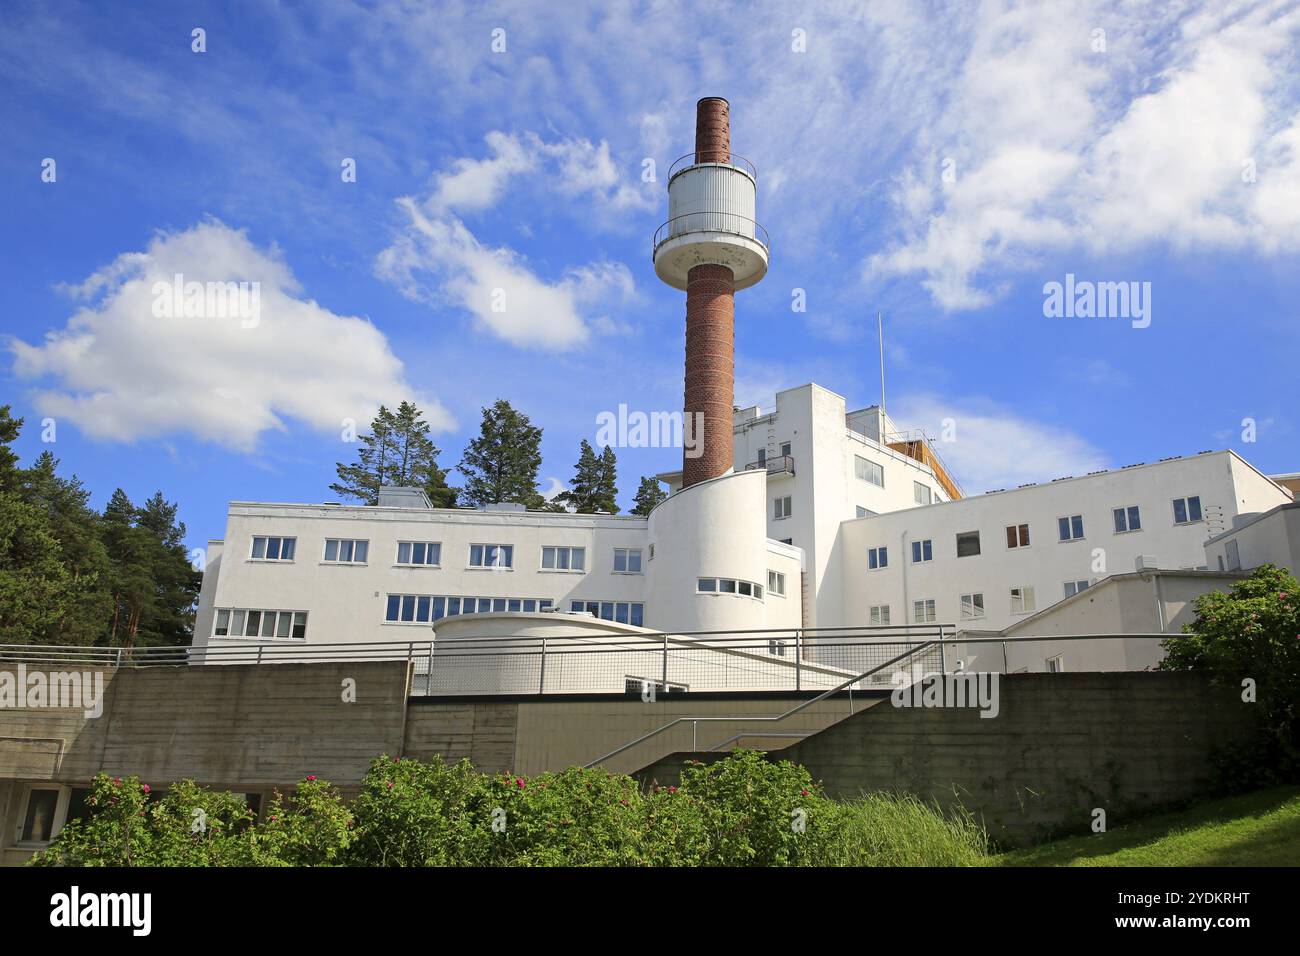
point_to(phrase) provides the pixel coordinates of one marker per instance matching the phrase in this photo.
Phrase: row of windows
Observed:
(429, 554)
(729, 586)
(426, 608)
(1022, 601)
(242, 622)
(1068, 528)
(621, 612)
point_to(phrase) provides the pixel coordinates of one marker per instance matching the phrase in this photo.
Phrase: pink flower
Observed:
(520, 781)
(311, 777)
(672, 789)
(145, 787)
(390, 785)
(803, 793)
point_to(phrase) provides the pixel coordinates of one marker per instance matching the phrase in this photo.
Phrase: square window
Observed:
(922, 551)
(972, 606)
(968, 544)
(38, 822)
(1017, 536)
(1070, 528)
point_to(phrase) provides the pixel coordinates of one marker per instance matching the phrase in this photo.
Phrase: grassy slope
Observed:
(1257, 829)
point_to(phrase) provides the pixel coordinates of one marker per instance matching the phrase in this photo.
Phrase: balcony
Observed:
(776, 467)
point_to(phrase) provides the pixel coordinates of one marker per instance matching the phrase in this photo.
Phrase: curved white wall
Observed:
(715, 528)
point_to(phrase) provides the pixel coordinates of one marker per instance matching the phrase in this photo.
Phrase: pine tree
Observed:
(501, 464)
(648, 495)
(169, 617)
(396, 452)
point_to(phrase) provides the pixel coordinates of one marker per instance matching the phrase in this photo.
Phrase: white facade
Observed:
(1048, 563)
(779, 543)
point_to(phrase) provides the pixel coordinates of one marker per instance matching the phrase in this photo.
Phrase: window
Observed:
(776, 583)
(1017, 536)
(1127, 519)
(427, 608)
(1022, 600)
(869, 471)
(1187, 510)
(426, 554)
(1070, 528)
(651, 555)
(789, 541)
(273, 549)
(732, 586)
(762, 456)
(564, 559)
(968, 544)
(1055, 665)
(776, 648)
(241, 622)
(491, 556)
(923, 611)
(864, 512)
(922, 551)
(785, 449)
(921, 493)
(627, 560)
(877, 558)
(879, 615)
(38, 821)
(781, 507)
(708, 584)
(622, 612)
(346, 551)
(972, 607)
(1074, 587)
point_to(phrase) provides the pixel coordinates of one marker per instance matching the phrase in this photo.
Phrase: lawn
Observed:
(1256, 829)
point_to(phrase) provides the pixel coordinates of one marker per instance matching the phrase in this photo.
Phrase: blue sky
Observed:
(938, 163)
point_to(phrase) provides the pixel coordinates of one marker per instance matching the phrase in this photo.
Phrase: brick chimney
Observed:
(710, 247)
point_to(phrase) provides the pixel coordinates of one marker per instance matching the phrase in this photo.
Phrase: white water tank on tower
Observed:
(711, 221)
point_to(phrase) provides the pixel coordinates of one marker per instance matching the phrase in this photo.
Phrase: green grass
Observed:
(1256, 829)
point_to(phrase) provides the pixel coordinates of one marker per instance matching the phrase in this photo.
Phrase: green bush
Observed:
(1253, 631)
(741, 811)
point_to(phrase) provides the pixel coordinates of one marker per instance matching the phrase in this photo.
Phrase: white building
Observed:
(809, 515)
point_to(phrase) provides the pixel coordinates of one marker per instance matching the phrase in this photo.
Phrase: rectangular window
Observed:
(785, 449)
(972, 607)
(922, 551)
(273, 549)
(1187, 510)
(426, 554)
(491, 556)
(627, 560)
(38, 822)
(1233, 554)
(880, 615)
(921, 494)
(781, 507)
(776, 583)
(222, 627)
(1055, 665)
(621, 612)
(1070, 528)
(1127, 519)
(1017, 536)
(1022, 600)
(708, 584)
(877, 558)
(968, 544)
(346, 550)
(564, 559)
(1074, 587)
(869, 471)
(923, 611)
(762, 456)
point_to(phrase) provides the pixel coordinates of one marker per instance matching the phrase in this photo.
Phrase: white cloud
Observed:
(995, 447)
(495, 285)
(1058, 147)
(121, 373)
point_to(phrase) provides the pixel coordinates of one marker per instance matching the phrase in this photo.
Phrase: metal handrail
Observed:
(734, 160)
(774, 465)
(880, 667)
(723, 223)
(769, 719)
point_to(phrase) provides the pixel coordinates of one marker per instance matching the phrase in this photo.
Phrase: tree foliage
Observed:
(69, 575)
(594, 486)
(396, 452)
(648, 496)
(501, 464)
